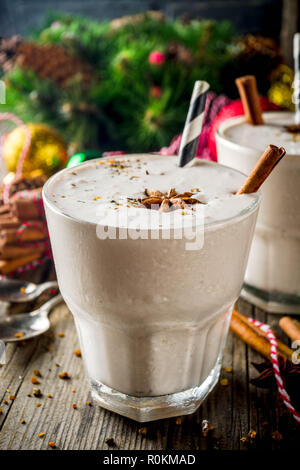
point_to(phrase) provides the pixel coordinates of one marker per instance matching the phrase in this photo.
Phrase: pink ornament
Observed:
(156, 58)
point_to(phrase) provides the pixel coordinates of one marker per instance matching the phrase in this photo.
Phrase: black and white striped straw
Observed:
(193, 123)
(297, 77)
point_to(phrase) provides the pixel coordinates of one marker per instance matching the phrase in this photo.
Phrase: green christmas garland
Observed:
(140, 73)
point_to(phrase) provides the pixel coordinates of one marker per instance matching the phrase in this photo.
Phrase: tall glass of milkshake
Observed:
(150, 259)
(272, 278)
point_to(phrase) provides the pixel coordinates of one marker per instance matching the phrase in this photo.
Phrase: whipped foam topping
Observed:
(109, 191)
(259, 137)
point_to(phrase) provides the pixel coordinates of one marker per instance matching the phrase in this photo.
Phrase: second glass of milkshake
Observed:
(272, 278)
(150, 259)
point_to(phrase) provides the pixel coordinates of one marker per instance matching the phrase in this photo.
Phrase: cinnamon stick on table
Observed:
(248, 92)
(255, 338)
(267, 162)
(290, 327)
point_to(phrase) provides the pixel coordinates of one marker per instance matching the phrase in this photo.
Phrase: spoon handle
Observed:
(47, 306)
(42, 287)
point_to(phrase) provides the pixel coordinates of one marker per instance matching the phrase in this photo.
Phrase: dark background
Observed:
(276, 18)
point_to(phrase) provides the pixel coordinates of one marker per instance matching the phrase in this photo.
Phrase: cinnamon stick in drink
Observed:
(248, 92)
(290, 327)
(265, 165)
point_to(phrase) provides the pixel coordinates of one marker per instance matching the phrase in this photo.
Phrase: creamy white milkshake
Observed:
(151, 310)
(273, 272)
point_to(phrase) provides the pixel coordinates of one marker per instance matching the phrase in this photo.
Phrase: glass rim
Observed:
(253, 205)
(235, 121)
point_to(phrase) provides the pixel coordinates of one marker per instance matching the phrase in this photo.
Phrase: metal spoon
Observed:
(12, 290)
(23, 326)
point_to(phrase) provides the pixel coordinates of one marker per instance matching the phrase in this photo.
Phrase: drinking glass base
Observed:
(144, 409)
(273, 302)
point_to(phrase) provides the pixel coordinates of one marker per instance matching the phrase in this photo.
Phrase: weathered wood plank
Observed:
(232, 409)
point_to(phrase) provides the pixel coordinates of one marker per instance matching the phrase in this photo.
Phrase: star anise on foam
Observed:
(166, 202)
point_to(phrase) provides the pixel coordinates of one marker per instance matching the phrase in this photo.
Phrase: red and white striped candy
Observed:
(275, 363)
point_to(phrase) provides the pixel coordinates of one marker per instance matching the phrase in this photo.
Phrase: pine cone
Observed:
(252, 46)
(8, 48)
(53, 62)
(178, 52)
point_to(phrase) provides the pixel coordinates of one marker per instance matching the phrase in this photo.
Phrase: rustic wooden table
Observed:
(233, 410)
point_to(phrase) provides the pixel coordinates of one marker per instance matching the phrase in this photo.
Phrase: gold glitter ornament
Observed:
(281, 90)
(47, 152)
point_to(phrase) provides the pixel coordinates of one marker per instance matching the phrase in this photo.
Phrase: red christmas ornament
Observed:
(233, 109)
(156, 58)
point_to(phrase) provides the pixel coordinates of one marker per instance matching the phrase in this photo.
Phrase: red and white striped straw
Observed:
(275, 363)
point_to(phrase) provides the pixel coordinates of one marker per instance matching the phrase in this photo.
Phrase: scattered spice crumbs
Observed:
(41, 434)
(110, 441)
(52, 444)
(49, 395)
(19, 335)
(74, 406)
(73, 390)
(22, 290)
(36, 392)
(7, 390)
(89, 403)
(224, 382)
(12, 397)
(143, 431)
(276, 436)
(64, 375)
(5, 402)
(243, 439)
(34, 381)
(61, 334)
(206, 427)
(228, 369)
(252, 434)
(22, 421)
(38, 405)
(37, 373)
(77, 352)
(178, 421)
